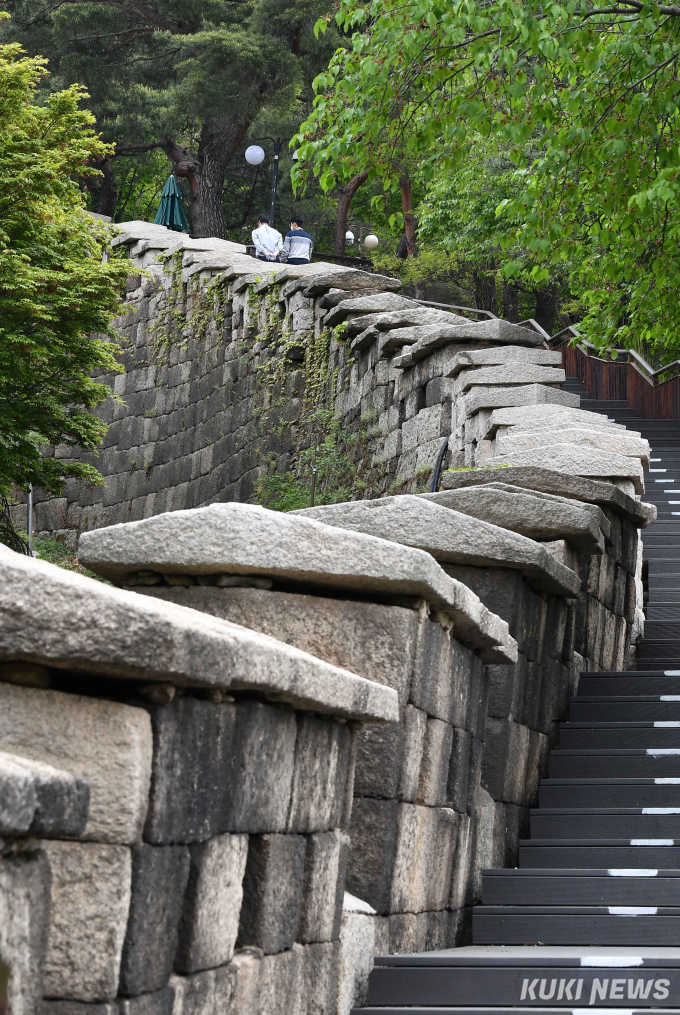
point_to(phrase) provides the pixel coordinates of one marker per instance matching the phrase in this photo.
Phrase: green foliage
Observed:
(325, 461)
(56, 552)
(582, 98)
(55, 292)
(181, 84)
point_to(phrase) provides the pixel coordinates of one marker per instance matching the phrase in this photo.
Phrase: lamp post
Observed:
(370, 242)
(255, 156)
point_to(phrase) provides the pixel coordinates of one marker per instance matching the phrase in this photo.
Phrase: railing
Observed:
(452, 306)
(617, 375)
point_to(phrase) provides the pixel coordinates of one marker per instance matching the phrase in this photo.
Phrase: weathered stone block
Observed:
(431, 684)
(379, 760)
(272, 891)
(261, 771)
(24, 925)
(458, 775)
(40, 798)
(470, 359)
(90, 903)
(463, 676)
(497, 397)
(104, 743)
(505, 759)
(379, 303)
(434, 770)
(193, 751)
(536, 515)
(324, 886)
(159, 878)
(210, 917)
(147, 640)
(231, 988)
(616, 442)
(281, 982)
(426, 839)
(245, 539)
(450, 536)
(462, 875)
(555, 695)
(362, 936)
(414, 729)
(372, 640)
(159, 1003)
(575, 460)
(320, 774)
(373, 836)
(319, 974)
(506, 689)
(407, 932)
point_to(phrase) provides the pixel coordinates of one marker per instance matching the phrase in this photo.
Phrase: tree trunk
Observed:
(547, 302)
(409, 217)
(410, 231)
(109, 189)
(511, 294)
(205, 173)
(103, 189)
(345, 199)
(485, 288)
(205, 203)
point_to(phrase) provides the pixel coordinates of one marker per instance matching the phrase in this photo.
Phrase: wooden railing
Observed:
(618, 374)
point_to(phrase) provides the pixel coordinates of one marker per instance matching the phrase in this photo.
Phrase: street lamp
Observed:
(255, 156)
(370, 242)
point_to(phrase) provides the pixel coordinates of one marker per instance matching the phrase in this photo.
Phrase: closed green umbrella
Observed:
(170, 212)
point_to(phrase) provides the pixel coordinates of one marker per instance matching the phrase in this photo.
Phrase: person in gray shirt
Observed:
(298, 245)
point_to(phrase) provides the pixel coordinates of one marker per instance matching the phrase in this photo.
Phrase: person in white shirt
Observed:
(268, 241)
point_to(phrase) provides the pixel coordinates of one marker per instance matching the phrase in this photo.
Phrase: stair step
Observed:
(663, 611)
(631, 735)
(574, 925)
(632, 683)
(657, 630)
(613, 887)
(561, 793)
(502, 979)
(615, 763)
(535, 1009)
(640, 708)
(655, 651)
(428, 981)
(584, 854)
(606, 823)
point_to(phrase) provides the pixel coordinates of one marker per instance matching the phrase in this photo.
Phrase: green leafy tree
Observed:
(590, 90)
(55, 292)
(185, 77)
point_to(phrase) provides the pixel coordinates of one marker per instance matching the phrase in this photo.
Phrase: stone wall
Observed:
(190, 783)
(474, 607)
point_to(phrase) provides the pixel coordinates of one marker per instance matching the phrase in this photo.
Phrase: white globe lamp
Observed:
(371, 242)
(349, 237)
(254, 155)
(296, 155)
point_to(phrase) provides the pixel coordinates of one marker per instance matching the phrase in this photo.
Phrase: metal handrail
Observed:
(650, 373)
(452, 306)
